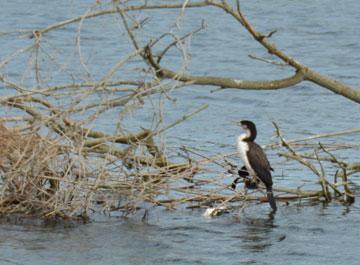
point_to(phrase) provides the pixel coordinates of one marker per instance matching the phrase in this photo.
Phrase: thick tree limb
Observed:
(310, 75)
(333, 85)
(303, 72)
(233, 83)
(221, 81)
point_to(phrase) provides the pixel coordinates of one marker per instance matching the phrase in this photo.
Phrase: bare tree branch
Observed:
(309, 74)
(306, 72)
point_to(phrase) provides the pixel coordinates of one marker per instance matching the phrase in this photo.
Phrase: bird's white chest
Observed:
(243, 148)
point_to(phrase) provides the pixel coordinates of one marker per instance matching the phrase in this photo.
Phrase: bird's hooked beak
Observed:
(243, 126)
(246, 130)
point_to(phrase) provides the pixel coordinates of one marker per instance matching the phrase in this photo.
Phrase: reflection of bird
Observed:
(255, 159)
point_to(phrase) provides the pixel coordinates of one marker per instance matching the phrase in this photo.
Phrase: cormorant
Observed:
(255, 160)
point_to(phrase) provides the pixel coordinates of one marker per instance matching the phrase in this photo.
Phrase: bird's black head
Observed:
(250, 129)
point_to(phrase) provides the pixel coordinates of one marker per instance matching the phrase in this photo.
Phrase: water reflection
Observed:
(257, 235)
(310, 231)
(346, 210)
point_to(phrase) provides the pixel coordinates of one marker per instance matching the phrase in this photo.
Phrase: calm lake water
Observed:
(322, 34)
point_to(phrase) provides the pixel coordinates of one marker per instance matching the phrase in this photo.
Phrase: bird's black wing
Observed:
(259, 163)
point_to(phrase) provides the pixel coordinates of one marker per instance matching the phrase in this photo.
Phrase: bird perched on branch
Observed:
(255, 161)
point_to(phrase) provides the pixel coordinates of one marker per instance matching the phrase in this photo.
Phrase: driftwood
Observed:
(58, 160)
(27, 169)
(302, 72)
(324, 182)
(32, 184)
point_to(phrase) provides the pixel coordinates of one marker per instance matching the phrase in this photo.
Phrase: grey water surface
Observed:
(324, 35)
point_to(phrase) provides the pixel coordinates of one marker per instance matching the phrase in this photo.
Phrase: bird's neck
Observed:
(247, 136)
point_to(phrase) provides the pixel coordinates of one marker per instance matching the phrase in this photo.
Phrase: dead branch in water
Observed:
(43, 176)
(96, 143)
(346, 194)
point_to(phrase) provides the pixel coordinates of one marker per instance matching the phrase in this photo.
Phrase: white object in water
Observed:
(214, 211)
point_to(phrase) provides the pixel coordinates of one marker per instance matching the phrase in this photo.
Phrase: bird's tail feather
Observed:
(270, 197)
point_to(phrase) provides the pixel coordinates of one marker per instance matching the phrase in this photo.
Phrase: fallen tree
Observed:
(58, 160)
